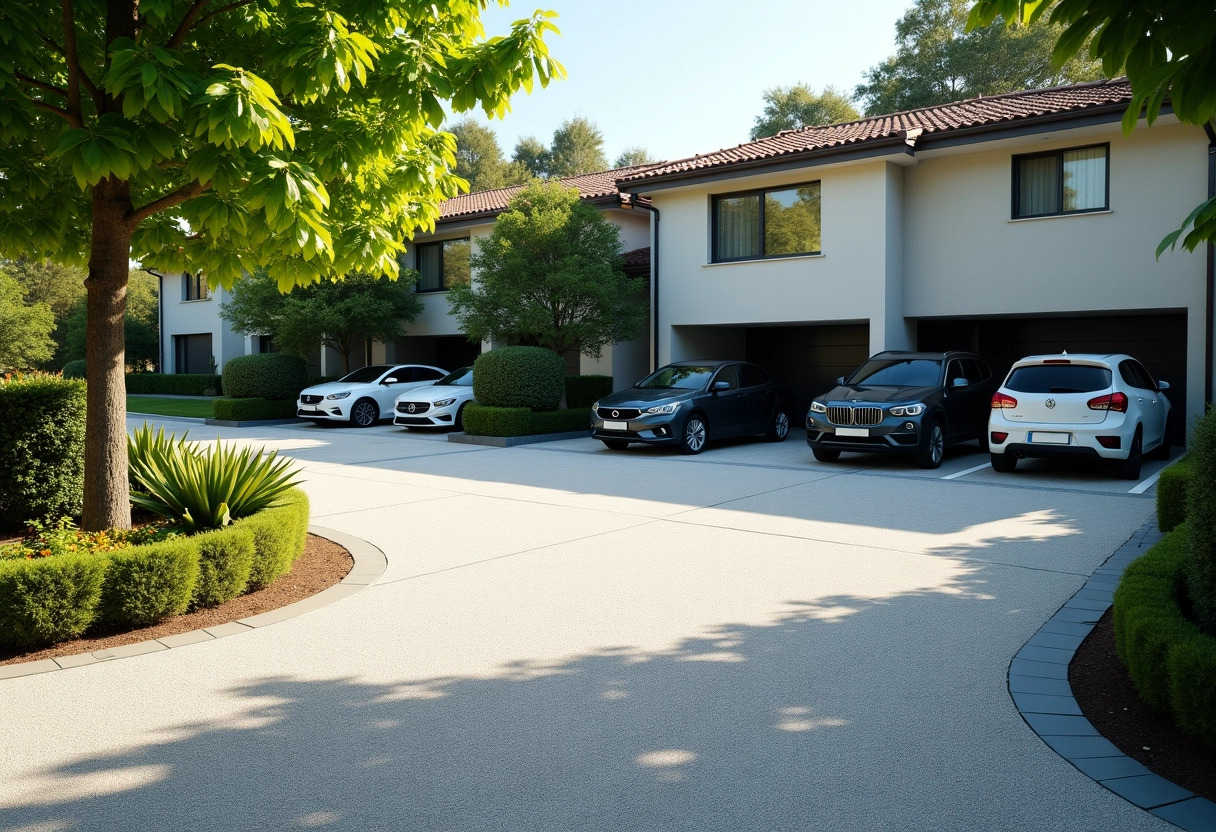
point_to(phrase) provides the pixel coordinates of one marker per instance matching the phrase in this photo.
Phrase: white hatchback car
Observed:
(438, 406)
(1079, 406)
(363, 396)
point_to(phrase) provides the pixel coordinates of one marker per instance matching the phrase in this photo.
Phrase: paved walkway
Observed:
(568, 638)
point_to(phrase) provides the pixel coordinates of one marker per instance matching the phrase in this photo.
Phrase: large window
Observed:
(1061, 182)
(194, 286)
(443, 265)
(781, 222)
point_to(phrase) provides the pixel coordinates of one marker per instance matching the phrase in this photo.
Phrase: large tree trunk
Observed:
(107, 502)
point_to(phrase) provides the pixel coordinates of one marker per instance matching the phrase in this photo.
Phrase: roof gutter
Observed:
(1209, 361)
(630, 201)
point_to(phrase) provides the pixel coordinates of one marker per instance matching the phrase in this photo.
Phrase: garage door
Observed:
(810, 358)
(1158, 341)
(447, 351)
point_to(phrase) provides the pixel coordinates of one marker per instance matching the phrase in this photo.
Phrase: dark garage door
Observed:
(810, 358)
(1158, 341)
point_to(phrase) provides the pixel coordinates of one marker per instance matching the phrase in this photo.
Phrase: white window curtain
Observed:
(1085, 179)
(1038, 186)
(738, 227)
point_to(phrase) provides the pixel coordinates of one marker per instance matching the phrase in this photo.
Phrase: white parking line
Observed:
(964, 473)
(1141, 487)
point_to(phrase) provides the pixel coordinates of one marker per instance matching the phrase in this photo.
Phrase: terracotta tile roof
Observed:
(909, 125)
(638, 260)
(590, 186)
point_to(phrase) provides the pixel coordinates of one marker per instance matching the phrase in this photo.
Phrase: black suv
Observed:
(904, 403)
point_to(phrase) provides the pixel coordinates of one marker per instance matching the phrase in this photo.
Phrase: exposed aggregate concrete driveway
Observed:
(569, 638)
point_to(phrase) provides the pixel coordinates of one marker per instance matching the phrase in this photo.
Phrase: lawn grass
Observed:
(156, 405)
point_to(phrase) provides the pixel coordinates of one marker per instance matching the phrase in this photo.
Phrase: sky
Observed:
(680, 77)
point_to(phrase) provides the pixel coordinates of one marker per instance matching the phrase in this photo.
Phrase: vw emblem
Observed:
(411, 407)
(1050, 403)
(616, 413)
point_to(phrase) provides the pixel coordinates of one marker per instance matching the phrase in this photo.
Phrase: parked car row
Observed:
(363, 397)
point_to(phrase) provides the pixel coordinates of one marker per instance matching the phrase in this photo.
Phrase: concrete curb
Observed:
(512, 441)
(194, 420)
(1038, 684)
(249, 423)
(370, 564)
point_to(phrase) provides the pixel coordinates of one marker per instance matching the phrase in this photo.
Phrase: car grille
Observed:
(619, 412)
(413, 407)
(311, 399)
(411, 420)
(847, 415)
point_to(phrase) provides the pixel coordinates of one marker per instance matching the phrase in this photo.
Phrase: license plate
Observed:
(852, 431)
(616, 426)
(1044, 438)
(308, 409)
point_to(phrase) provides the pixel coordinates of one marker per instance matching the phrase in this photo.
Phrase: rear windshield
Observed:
(460, 378)
(1058, 378)
(899, 372)
(677, 377)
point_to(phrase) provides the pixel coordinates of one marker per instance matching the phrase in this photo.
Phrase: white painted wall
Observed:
(194, 317)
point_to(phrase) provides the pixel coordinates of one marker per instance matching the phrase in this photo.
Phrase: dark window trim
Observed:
(194, 284)
(714, 258)
(418, 261)
(1059, 154)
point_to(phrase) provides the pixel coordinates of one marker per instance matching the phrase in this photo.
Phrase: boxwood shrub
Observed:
(146, 584)
(74, 369)
(279, 534)
(225, 559)
(583, 391)
(529, 377)
(174, 384)
(1171, 495)
(41, 448)
(49, 599)
(480, 420)
(271, 375)
(238, 410)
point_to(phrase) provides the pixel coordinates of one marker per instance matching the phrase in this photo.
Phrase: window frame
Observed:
(1016, 190)
(760, 192)
(418, 261)
(196, 282)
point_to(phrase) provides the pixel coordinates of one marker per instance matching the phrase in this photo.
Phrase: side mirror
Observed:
(840, 380)
(958, 383)
(389, 380)
(1163, 386)
(721, 385)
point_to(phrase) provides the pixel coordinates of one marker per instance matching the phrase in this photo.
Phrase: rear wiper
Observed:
(1065, 390)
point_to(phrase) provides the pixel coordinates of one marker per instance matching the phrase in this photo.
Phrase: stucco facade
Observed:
(192, 331)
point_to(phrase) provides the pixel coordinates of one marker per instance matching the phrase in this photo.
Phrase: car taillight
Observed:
(998, 437)
(1000, 401)
(1113, 401)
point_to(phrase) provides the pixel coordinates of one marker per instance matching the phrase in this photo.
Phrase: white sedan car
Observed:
(365, 395)
(438, 406)
(1079, 406)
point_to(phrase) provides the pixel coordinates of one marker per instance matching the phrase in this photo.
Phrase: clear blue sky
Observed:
(680, 77)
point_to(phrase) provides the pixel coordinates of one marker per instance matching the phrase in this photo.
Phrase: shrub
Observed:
(560, 421)
(270, 375)
(74, 369)
(41, 448)
(239, 410)
(1192, 673)
(225, 559)
(531, 377)
(49, 599)
(279, 534)
(146, 584)
(174, 384)
(584, 391)
(480, 420)
(1201, 520)
(1171, 496)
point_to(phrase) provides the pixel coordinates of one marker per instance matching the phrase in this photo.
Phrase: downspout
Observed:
(1211, 275)
(632, 202)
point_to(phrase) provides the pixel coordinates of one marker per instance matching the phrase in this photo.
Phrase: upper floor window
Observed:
(778, 222)
(443, 265)
(1061, 182)
(194, 286)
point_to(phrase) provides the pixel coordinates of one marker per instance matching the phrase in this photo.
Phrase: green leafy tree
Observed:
(631, 156)
(141, 326)
(578, 147)
(339, 314)
(230, 136)
(788, 108)
(551, 273)
(1167, 48)
(59, 286)
(938, 60)
(25, 328)
(531, 155)
(479, 158)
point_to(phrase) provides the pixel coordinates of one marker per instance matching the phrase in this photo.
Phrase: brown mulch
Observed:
(322, 565)
(1109, 700)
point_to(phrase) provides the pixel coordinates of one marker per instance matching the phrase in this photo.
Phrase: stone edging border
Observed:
(1038, 683)
(512, 441)
(370, 564)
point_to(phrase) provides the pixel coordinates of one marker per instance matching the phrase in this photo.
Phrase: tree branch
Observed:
(94, 92)
(25, 79)
(59, 111)
(183, 194)
(221, 10)
(69, 53)
(187, 23)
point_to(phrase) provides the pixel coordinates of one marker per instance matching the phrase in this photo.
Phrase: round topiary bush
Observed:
(531, 377)
(41, 448)
(74, 369)
(271, 375)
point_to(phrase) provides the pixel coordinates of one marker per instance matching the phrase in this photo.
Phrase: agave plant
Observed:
(203, 489)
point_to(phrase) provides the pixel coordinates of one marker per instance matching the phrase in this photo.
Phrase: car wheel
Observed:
(933, 446)
(364, 414)
(615, 444)
(825, 454)
(1162, 451)
(1004, 463)
(694, 435)
(459, 423)
(779, 427)
(1129, 469)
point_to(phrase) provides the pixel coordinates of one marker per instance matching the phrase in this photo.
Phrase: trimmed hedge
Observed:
(49, 599)
(279, 534)
(1201, 520)
(584, 391)
(225, 559)
(174, 384)
(146, 584)
(270, 375)
(238, 410)
(41, 448)
(531, 377)
(1170, 661)
(74, 369)
(1171, 496)
(560, 421)
(480, 420)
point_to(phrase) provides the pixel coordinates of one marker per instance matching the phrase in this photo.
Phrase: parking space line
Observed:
(1141, 487)
(964, 473)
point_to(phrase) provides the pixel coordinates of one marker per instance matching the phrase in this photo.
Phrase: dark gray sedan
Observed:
(689, 402)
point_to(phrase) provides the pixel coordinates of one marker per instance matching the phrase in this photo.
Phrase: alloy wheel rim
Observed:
(783, 425)
(694, 434)
(936, 444)
(363, 414)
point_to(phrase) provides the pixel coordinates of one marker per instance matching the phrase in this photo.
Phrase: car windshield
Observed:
(461, 378)
(899, 372)
(366, 375)
(1058, 378)
(677, 377)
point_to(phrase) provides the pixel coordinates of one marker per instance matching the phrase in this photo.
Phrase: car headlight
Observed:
(341, 395)
(819, 407)
(444, 402)
(908, 410)
(664, 408)
(595, 406)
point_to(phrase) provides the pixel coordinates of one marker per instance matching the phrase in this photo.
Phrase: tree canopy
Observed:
(577, 147)
(631, 156)
(479, 158)
(551, 273)
(25, 328)
(939, 60)
(788, 108)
